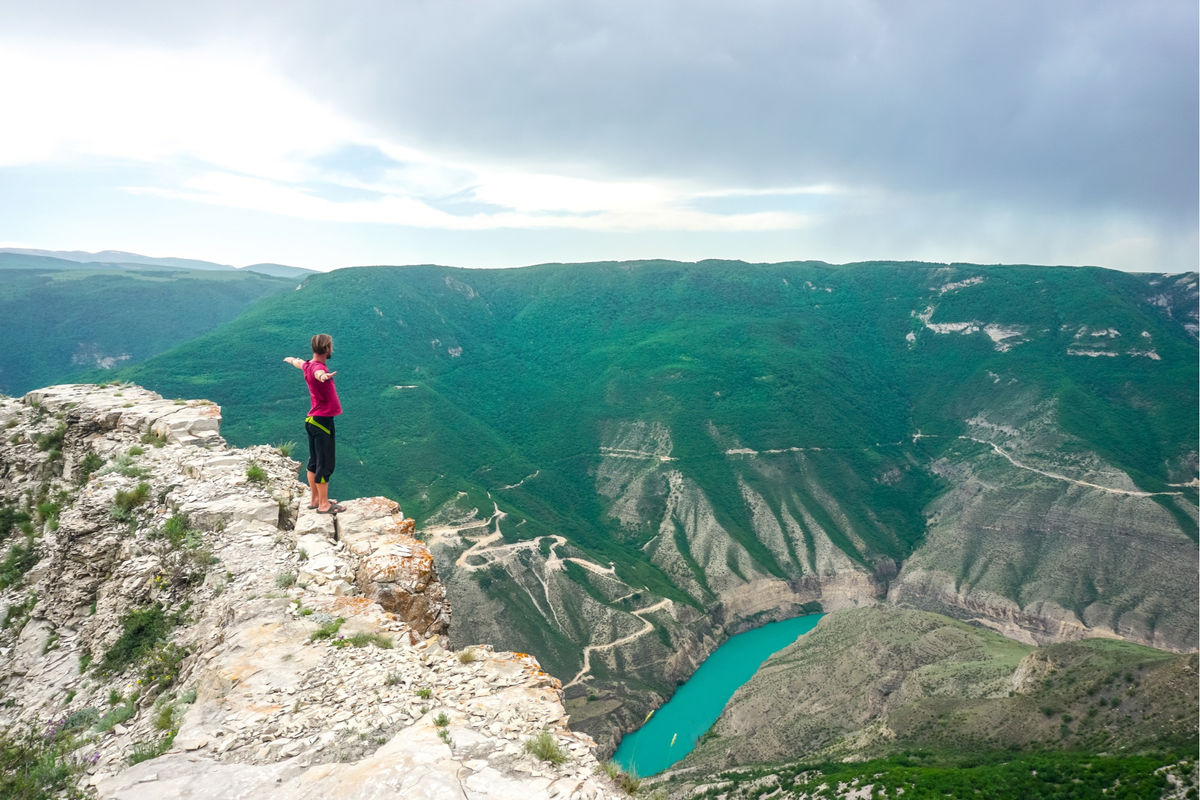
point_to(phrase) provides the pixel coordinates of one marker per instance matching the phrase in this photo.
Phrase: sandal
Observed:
(314, 507)
(333, 509)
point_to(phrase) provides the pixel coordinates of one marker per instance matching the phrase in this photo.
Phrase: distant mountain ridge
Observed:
(46, 259)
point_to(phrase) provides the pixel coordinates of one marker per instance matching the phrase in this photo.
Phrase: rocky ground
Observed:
(203, 633)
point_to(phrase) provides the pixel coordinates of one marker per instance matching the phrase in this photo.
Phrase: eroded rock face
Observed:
(394, 569)
(297, 654)
(1043, 558)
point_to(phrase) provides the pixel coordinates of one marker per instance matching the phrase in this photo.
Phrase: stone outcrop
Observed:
(221, 639)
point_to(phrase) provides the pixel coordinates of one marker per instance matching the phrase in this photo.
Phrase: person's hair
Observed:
(322, 343)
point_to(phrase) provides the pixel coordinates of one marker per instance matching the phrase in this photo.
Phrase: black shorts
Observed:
(320, 447)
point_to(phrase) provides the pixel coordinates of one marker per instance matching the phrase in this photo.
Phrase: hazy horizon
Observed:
(60, 253)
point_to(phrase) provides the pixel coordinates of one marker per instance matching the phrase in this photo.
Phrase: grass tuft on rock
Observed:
(544, 746)
(124, 502)
(256, 474)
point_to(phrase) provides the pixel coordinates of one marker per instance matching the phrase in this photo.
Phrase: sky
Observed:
(504, 133)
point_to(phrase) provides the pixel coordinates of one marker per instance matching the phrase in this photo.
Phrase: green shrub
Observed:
(91, 462)
(123, 465)
(467, 656)
(628, 783)
(544, 747)
(124, 502)
(48, 513)
(52, 441)
(10, 518)
(81, 719)
(174, 530)
(17, 614)
(256, 474)
(285, 580)
(40, 764)
(327, 630)
(441, 720)
(21, 558)
(164, 720)
(117, 715)
(163, 666)
(144, 751)
(424, 692)
(286, 449)
(135, 451)
(154, 439)
(193, 539)
(141, 630)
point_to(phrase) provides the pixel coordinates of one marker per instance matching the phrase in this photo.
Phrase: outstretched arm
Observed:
(320, 374)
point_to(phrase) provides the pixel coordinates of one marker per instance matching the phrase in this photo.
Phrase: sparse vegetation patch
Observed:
(544, 747)
(141, 630)
(256, 474)
(124, 502)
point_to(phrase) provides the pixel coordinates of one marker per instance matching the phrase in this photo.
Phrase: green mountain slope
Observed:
(734, 355)
(65, 320)
(619, 464)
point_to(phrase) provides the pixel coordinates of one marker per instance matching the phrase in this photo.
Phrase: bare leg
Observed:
(312, 485)
(323, 496)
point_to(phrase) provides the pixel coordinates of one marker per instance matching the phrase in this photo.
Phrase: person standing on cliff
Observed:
(319, 423)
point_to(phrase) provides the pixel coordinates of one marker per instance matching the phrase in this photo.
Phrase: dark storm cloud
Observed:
(1077, 103)
(1063, 106)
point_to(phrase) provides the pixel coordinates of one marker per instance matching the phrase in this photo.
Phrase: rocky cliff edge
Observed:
(175, 613)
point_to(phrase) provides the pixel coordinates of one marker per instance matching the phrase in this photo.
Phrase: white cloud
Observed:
(538, 192)
(230, 131)
(573, 205)
(157, 106)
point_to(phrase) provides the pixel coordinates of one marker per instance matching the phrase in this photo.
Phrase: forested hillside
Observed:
(64, 320)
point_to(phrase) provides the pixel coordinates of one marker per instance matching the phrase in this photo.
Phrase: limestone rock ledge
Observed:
(254, 702)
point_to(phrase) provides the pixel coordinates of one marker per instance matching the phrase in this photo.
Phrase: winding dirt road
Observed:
(591, 648)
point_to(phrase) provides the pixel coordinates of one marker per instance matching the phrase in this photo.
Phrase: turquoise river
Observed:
(673, 730)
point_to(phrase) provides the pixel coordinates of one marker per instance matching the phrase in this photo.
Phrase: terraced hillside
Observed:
(618, 465)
